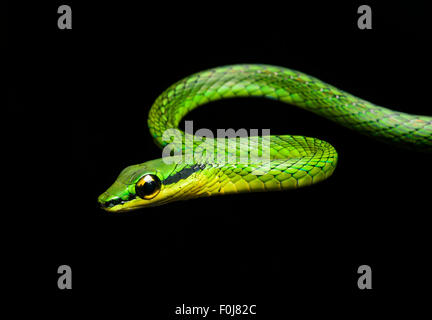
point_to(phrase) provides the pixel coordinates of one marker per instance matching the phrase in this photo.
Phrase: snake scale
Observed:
(295, 161)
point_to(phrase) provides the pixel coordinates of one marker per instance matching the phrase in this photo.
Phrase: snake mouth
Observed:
(111, 203)
(107, 201)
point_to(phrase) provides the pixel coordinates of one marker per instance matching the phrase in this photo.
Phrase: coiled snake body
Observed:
(295, 161)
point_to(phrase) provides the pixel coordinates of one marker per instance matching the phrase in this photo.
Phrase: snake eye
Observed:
(148, 187)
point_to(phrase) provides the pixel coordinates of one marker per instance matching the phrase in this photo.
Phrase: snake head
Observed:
(137, 186)
(153, 183)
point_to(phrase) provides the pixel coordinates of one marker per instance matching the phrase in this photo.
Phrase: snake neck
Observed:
(292, 162)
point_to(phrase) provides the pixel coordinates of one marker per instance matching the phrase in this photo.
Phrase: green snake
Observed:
(295, 161)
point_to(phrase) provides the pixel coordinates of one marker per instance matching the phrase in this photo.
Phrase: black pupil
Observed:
(148, 188)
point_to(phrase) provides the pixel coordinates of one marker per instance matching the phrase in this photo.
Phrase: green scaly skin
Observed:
(296, 161)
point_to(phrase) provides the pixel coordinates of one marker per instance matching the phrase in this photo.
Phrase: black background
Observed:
(79, 101)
